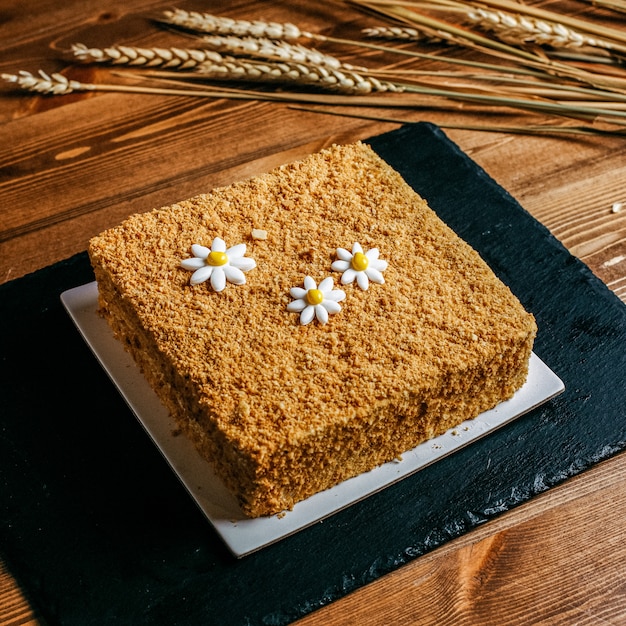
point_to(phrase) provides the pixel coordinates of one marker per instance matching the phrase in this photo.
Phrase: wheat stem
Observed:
(534, 86)
(580, 57)
(436, 57)
(614, 5)
(526, 129)
(507, 85)
(579, 111)
(573, 110)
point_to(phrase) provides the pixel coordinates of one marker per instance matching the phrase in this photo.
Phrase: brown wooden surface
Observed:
(71, 166)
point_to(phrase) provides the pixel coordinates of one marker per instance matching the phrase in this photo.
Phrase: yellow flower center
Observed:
(314, 296)
(360, 262)
(217, 258)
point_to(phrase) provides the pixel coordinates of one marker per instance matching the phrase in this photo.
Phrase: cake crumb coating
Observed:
(283, 410)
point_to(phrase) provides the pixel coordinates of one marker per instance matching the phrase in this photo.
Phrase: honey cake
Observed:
(311, 323)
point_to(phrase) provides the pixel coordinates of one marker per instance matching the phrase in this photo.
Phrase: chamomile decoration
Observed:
(218, 264)
(315, 301)
(360, 266)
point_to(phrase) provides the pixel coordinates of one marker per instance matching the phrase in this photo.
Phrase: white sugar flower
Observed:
(362, 266)
(218, 264)
(314, 301)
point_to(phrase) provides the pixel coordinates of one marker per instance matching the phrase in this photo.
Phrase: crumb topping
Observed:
(441, 309)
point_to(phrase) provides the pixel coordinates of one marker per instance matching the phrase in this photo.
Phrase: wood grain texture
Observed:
(15, 609)
(71, 166)
(492, 575)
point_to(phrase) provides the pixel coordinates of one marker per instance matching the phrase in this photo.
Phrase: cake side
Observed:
(283, 410)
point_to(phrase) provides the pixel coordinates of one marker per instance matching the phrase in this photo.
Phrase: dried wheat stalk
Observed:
(615, 35)
(513, 29)
(56, 84)
(203, 22)
(264, 48)
(522, 130)
(207, 23)
(512, 54)
(460, 36)
(295, 73)
(399, 33)
(53, 84)
(179, 58)
(614, 5)
(295, 65)
(522, 29)
(212, 64)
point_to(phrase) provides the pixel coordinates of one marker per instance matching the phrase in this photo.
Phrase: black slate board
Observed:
(99, 531)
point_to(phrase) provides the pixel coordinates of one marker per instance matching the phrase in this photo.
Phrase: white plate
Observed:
(243, 535)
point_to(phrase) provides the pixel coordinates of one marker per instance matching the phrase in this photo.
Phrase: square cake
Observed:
(309, 324)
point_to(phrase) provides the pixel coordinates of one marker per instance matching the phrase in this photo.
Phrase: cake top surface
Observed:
(266, 377)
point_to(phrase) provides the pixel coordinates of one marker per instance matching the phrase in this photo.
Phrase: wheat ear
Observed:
(264, 48)
(179, 58)
(53, 84)
(400, 33)
(207, 23)
(518, 29)
(299, 73)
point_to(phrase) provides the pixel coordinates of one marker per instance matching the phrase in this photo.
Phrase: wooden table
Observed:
(74, 165)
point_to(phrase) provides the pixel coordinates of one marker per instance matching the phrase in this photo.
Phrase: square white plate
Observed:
(243, 535)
